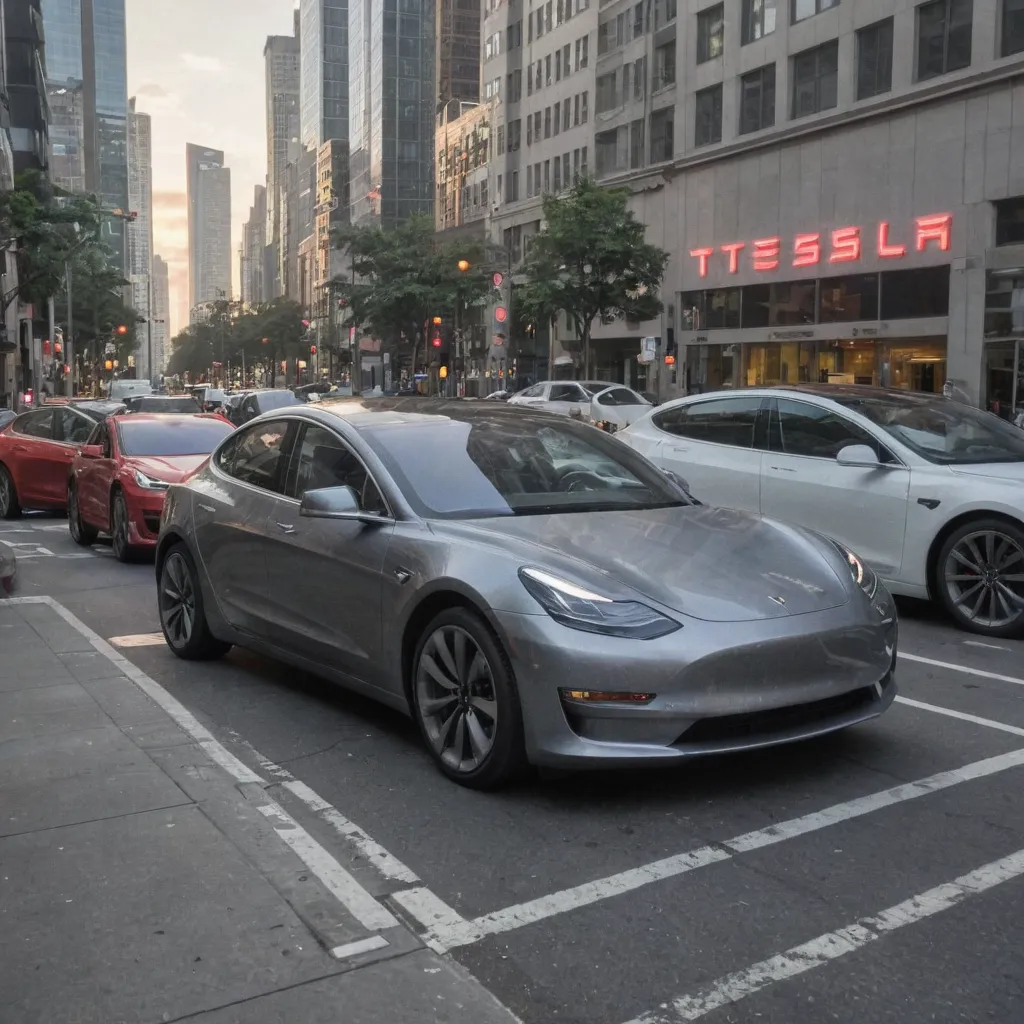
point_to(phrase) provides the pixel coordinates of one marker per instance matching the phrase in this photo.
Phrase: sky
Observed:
(197, 67)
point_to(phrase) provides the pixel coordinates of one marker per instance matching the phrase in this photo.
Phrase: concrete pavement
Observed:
(146, 875)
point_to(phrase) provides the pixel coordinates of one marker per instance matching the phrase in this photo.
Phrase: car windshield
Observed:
(172, 437)
(156, 404)
(941, 430)
(456, 469)
(276, 400)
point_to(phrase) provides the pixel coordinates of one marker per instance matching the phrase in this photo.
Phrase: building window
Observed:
(547, 122)
(1010, 221)
(1012, 40)
(710, 33)
(547, 69)
(708, 123)
(639, 78)
(757, 99)
(664, 12)
(908, 294)
(943, 37)
(808, 8)
(664, 66)
(636, 144)
(662, 138)
(874, 59)
(842, 299)
(758, 20)
(607, 93)
(557, 118)
(638, 19)
(566, 115)
(815, 73)
(558, 173)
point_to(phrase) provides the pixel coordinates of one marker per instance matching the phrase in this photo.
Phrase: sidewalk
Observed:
(146, 876)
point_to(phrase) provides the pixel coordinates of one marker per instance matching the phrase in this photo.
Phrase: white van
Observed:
(119, 390)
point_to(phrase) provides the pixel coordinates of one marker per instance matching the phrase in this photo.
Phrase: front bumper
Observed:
(719, 686)
(144, 510)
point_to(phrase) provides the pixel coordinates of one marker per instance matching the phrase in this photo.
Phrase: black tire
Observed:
(119, 531)
(9, 505)
(471, 690)
(189, 638)
(81, 532)
(979, 577)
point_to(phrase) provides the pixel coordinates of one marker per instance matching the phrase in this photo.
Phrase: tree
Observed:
(406, 275)
(591, 260)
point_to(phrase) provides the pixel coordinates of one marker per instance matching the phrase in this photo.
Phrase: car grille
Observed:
(754, 724)
(152, 521)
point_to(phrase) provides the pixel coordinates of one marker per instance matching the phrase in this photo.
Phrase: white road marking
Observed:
(362, 946)
(446, 929)
(832, 945)
(962, 668)
(375, 854)
(357, 900)
(991, 647)
(963, 716)
(139, 640)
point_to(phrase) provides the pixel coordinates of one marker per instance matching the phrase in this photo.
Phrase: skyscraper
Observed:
(160, 320)
(209, 225)
(140, 231)
(325, 70)
(283, 85)
(254, 237)
(392, 112)
(86, 73)
(458, 51)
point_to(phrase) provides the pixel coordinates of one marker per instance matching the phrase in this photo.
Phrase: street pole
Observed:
(149, 327)
(69, 341)
(53, 328)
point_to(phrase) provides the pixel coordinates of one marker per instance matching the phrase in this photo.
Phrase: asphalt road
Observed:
(808, 884)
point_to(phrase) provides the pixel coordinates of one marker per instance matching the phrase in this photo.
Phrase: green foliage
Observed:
(590, 260)
(407, 275)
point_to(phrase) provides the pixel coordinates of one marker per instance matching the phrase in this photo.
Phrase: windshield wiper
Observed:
(596, 506)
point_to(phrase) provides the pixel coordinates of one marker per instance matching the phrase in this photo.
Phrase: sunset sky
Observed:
(197, 67)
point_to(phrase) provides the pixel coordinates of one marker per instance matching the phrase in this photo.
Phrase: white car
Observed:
(929, 492)
(595, 401)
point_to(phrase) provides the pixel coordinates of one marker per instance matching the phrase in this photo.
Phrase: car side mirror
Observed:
(681, 484)
(858, 455)
(91, 451)
(335, 503)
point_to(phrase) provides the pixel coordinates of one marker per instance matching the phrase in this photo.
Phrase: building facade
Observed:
(160, 320)
(392, 111)
(457, 63)
(462, 149)
(325, 39)
(209, 225)
(26, 85)
(254, 237)
(283, 106)
(140, 231)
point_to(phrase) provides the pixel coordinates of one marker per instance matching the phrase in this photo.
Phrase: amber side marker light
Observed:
(606, 697)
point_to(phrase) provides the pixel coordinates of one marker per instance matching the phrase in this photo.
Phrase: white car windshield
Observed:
(941, 430)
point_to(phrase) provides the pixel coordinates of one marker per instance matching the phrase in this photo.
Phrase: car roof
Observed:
(841, 393)
(161, 417)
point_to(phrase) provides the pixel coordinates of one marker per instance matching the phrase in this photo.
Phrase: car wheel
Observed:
(9, 507)
(980, 576)
(119, 532)
(81, 532)
(466, 702)
(182, 617)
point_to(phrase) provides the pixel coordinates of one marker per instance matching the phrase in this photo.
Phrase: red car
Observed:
(119, 479)
(36, 450)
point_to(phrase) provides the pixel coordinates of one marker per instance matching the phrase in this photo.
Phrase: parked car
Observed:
(929, 492)
(119, 477)
(596, 402)
(181, 404)
(257, 402)
(36, 451)
(6, 416)
(526, 587)
(122, 389)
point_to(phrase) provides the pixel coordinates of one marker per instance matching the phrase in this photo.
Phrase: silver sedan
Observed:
(528, 588)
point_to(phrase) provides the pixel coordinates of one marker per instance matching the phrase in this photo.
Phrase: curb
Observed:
(8, 568)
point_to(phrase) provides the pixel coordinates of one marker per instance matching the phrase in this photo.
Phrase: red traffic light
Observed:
(436, 342)
(58, 348)
(312, 350)
(498, 278)
(501, 314)
(122, 329)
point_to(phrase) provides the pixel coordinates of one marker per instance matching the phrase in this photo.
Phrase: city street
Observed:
(872, 876)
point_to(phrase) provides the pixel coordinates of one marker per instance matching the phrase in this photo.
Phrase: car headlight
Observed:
(863, 576)
(148, 483)
(578, 608)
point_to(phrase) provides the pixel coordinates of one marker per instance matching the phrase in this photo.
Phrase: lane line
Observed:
(832, 945)
(447, 929)
(362, 946)
(991, 647)
(962, 668)
(962, 715)
(357, 900)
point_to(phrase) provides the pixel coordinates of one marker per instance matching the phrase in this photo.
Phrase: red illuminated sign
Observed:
(843, 245)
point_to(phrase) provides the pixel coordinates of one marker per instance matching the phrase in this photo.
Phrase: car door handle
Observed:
(19, 448)
(782, 469)
(677, 448)
(286, 527)
(207, 508)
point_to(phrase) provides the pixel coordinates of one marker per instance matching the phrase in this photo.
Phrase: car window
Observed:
(35, 424)
(720, 421)
(72, 427)
(537, 391)
(799, 428)
(259, 456)
(566, 393)
(276, 400)
(619, 396)
(322, 459)
(181, 436)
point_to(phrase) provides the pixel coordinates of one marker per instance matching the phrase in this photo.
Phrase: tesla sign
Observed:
(843, 245)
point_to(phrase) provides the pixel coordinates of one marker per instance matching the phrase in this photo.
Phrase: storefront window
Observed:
(775, 363)
(785, 304)
(843, 299)
(915, 364)
(909, 294)
(722, 308)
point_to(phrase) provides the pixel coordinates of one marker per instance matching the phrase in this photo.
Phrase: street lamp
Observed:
(463, 265)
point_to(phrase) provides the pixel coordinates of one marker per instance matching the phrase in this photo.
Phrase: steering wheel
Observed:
(582, 480)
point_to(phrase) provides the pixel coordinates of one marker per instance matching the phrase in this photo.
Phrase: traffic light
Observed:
(122, 329)
(463, 265)
(312, 350)
(437, 321)
(501, 314)
(436, 341)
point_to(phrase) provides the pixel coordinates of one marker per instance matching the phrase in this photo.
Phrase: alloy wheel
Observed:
(120, 530)
(177, 601)
(74, 516)
(456, 698)
(5, 495)
(984, 577)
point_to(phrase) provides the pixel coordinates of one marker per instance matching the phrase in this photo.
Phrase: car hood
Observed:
(1012, 472)
(170, 468)
(709, 563)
